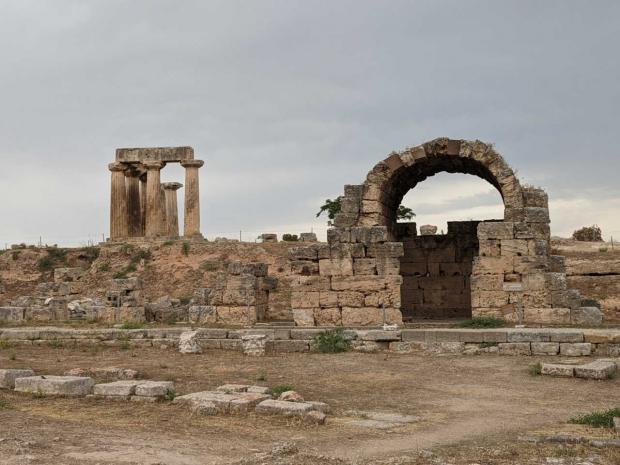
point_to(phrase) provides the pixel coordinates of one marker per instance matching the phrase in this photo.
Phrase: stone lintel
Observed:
(163, 154)
(192, 163)
(173, 186)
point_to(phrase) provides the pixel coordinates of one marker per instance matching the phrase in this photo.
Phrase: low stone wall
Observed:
(505, 341)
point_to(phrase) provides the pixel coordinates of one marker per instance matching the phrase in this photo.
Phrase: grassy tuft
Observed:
(170, 394)
(483, 322)
(276, 391)
(599, 419)
(536, 369)
(185, 248)
(132, 326)
(332, 341)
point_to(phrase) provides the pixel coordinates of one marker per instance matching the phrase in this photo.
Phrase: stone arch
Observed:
(374, 203)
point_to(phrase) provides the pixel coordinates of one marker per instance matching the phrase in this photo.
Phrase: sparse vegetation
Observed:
(4, 404)
(602, 249)
(90, 253)
(55, 343)
(332, 341)
(120, 275)
(104, 267)
(261, 377)
(15, 254)
(483, 322)
(486, 345)
(132, 325)
(185, 248)
(290, 237)
(276, 391)
(5, 343)
(536, 369)
(599, 419)
(185, 300)
(209, 265)
(170, 394)
(168, 243)
(333, 207)
(589, 234)
(13, 356)
(54, 258)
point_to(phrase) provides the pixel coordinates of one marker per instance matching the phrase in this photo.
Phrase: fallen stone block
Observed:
(254, 345)
(154, 388)
(105, 372)
(188, 343)
(230, 388)
(554, 369)
(319, 406)
(117, 388)
(280, 407)
(221, 401)
(314, 417)
(55, 385)
(247, 402)
(291, 396)
(617, 424)
(599, 369)
(259, 389)
(515, 348)
(586, 316)
(578, 349)
(8, 377)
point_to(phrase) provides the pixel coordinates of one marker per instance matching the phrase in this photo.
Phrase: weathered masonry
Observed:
(374, 270)
(141, 206)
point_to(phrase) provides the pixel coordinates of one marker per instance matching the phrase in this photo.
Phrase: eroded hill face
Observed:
(167, 268)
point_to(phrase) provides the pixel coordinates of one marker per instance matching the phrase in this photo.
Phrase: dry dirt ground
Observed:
(471, 409)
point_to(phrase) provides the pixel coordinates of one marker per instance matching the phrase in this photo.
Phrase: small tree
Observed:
(589, 234)
(333, 207)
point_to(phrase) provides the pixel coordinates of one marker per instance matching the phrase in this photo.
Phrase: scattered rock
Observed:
(155, 389)
(188, 343)
(117, 388)
(291, 396)
(8, 377)
(553, 369)
(254, 345)
(55, 385)
(106, 372)
(599, 369)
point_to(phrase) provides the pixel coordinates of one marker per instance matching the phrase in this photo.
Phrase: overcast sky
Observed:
(287, 101)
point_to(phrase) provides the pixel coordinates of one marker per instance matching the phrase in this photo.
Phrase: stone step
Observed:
(8, 377)
(55, 385)
(599, 369)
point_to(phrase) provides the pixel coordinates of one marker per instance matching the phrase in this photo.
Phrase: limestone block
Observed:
(578, 349)
(536, 215)
(308, 237)
(492, 265)
(445, 254)
(336, 267)
(341, 251)
(587, 316)
(8, 377)
(256, 269)
(188, 343)
(528, 335)
(553, 369)
(428, 230)
(489, 298)
(514, 247)
(487, 282)
(369, 235)
(12, 313)
(385, 250)
(534, 281)
(545, 348)
(279, 407)
(537, 299)
(495, 230)
(538, 247)
(154, 388)
(617, 424)
(388, 298)
(236, 316)
(358, 283)
(303, 316)
(202, 314)
(402, 347)
(310, 283)
(601, 336)
(369, 347)
(532, 231)
(350, 299)
(514, 348)
(529, 264)
(555, 316)
(370, 316)
(207, 402)
(304, 267)
(378, 335)
(556, 281)
(599, 369)
(328, 316)
(55, 385)
(68, 274)
(123, 388)
(337, 235)
(365, 266)
(489, 248)
(247, 401)
(328, 299)
(303, 253)
(388, 266)
(254, 345)
(305, 299)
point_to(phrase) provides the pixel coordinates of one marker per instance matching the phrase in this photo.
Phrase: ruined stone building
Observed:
(142, 206)
(374, 270)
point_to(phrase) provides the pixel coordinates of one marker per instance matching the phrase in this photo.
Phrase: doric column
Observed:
(118, 202)
(192, 198)
(143, 204)
(163, 229)
(172, 209)
(153, 199)
(134, 213)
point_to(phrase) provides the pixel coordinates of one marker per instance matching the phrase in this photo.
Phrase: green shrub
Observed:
(104, 267)
(185, 248)
(486, 345)
(332, 341)
(5, 343)
(170, 394)
(127, 249)
(602, 249)
(599, 419)
(15, 254)
(483, 322)
(120, 275)
(185, 300)
(4, 404)
(209, 265)
(131, 268)
(536, 369)
(141, 254)
(168, 243)
(281, 388)
(290, 237)
(53, 259)
(90, 253)
(132, 325)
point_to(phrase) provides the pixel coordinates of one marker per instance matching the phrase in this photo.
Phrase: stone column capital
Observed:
(171, 186)
(116, 166)
(153, 165)
(192, 163)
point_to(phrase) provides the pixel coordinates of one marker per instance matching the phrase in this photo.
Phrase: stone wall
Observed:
(436, 270)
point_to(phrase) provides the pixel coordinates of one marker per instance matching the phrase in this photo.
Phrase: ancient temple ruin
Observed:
(142, 206)
(375, 270)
